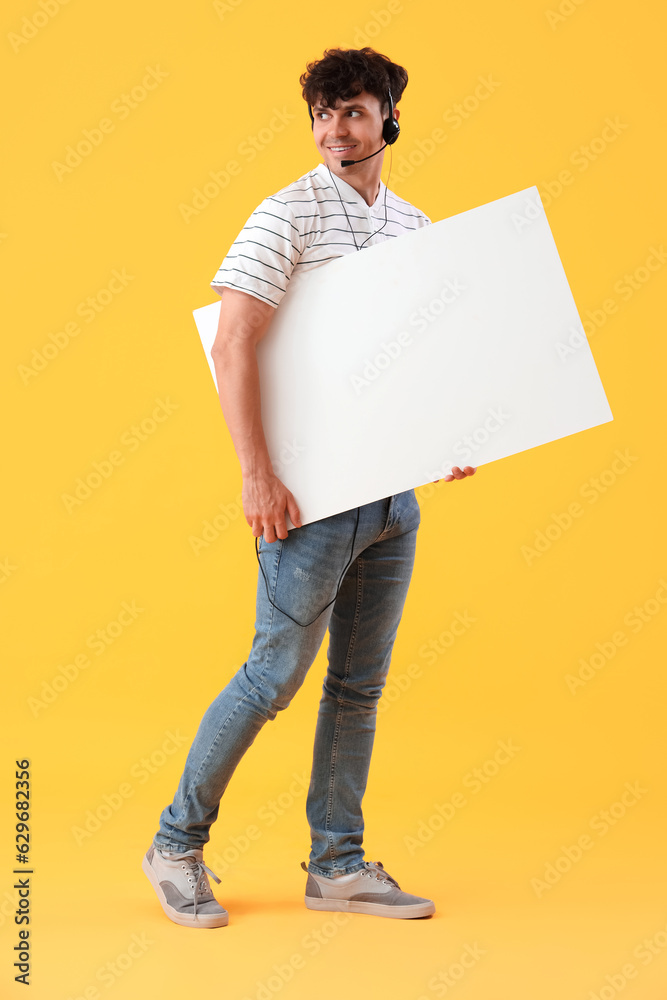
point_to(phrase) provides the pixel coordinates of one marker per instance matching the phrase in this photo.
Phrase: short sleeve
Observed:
(261, 259)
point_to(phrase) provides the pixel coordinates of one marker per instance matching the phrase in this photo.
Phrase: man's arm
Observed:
(244, 320)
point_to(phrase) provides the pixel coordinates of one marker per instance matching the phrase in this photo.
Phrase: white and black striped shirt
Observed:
(304, 225)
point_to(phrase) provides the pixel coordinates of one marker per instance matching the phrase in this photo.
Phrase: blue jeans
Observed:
(302, 572)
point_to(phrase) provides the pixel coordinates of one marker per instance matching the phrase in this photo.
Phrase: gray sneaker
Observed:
(182, 886)
(370, 890)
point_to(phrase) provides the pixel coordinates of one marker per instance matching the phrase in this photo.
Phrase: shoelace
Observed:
(201, 870)
(373, 869)
(375, 865)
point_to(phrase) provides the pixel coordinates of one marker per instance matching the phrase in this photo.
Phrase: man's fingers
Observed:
(293, 511)
(272, 523)
(457, 473)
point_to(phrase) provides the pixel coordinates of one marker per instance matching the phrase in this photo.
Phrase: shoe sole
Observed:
(205, 920)
(376, 909)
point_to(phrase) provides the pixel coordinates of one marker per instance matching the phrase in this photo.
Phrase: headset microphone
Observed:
(349, 163)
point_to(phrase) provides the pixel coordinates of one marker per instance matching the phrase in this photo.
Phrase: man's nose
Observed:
(339, 128)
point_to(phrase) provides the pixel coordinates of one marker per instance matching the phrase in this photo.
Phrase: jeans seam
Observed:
(222, 727)
(387, 524)
(175, 848)
(341, 706)
(344, 871)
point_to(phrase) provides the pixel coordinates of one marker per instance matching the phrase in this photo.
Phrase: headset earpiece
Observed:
(390, 127)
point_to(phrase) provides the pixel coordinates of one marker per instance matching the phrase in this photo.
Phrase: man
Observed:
(349, 572)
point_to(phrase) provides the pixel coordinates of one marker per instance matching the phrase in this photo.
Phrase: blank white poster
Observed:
(445, 346)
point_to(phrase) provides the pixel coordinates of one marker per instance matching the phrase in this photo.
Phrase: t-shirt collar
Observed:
(347, 190)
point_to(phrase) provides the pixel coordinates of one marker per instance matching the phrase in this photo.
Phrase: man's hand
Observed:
(457, 474)
(264, 499)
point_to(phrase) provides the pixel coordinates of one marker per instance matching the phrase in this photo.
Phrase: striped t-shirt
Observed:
(304, 225)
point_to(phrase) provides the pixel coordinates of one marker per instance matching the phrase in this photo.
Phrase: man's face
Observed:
(349, 131)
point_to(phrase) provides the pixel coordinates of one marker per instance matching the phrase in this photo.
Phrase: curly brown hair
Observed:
(342, 74)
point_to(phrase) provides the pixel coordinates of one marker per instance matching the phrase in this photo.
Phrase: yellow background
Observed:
(67, 573)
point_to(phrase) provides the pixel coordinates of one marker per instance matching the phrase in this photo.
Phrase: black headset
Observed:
(390, 127)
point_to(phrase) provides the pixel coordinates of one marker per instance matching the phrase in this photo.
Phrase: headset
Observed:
(390, 133)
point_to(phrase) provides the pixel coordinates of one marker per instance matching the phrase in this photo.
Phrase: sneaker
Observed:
(182, 886)
(369, 890)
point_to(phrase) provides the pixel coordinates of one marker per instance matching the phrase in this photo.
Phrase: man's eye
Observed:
(322, 114)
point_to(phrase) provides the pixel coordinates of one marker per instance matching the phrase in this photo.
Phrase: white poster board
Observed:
(382, 369)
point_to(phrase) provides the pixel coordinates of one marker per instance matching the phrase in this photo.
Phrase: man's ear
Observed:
(397, 113)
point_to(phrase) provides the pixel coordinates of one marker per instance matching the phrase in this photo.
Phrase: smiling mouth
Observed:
(340, 149)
